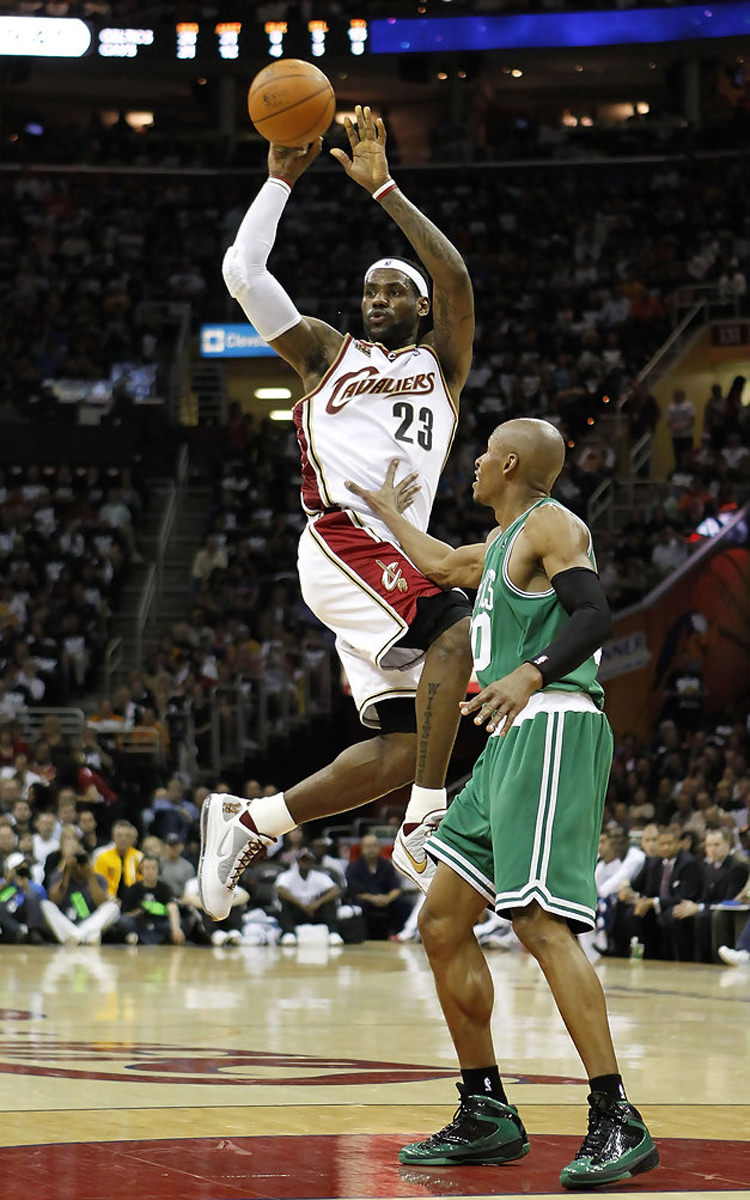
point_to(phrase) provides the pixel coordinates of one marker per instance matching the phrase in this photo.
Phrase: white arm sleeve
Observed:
(262, 297)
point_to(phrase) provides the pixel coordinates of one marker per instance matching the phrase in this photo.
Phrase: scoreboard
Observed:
(202, 41)
(208, 41)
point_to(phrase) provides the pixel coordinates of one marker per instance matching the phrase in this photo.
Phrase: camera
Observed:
(23, 870)
(81, 857)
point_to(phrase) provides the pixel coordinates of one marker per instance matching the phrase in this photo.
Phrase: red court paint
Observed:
(336, 1167)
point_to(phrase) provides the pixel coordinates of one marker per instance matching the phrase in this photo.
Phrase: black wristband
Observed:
(582, 596)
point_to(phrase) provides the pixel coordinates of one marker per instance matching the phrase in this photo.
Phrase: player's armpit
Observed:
(309, 347)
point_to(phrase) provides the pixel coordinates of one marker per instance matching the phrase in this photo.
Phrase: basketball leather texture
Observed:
(291, 102)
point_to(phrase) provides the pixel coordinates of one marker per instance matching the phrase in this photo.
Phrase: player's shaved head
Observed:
(538, 446)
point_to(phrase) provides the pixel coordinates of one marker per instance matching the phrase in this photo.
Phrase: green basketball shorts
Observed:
(526, 826)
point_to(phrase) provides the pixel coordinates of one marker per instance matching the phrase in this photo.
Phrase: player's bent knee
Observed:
(537, 930)
(439, 931)
(396, 756)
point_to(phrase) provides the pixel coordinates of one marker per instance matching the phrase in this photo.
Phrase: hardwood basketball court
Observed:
(183, 1073)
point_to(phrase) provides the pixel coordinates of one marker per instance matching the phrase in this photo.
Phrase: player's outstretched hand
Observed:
(391, 499)
(500, 703)
(368, 165)
(292, 161)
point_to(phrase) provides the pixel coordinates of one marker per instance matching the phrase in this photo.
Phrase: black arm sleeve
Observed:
(581, 595)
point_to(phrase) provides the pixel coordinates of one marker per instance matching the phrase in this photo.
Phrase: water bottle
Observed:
(636, 950)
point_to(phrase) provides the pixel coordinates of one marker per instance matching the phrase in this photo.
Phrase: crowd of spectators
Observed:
(708, 484)
(675, 850)
(76, 259)
(247, 614)
(188, 140)
(568, 310)
(67, 536)
(672, 875)
(72, 873)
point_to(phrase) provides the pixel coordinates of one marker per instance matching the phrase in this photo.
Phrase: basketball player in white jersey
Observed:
(400, 638)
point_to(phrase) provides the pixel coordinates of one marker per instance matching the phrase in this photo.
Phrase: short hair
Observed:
(725, 833)
(691, 837)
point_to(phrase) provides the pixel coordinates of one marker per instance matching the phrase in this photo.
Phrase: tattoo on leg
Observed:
(424, 732)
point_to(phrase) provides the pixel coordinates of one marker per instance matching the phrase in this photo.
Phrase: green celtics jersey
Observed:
(509, 626)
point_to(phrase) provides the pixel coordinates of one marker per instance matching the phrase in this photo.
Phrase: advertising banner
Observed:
(701, 614)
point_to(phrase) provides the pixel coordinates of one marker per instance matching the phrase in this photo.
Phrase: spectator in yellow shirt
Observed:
(120, 863)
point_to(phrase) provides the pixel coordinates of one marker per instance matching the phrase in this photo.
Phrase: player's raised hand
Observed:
(368, 165)
(391, 499)
(291, 161)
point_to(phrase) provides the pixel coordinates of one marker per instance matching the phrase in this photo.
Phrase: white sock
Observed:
(423, 801)
(271, 815)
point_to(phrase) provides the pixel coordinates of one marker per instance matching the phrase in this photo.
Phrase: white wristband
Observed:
(284, 183)
(384, 189)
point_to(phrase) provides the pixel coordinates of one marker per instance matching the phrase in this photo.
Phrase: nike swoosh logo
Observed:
(419, 867)
(224, 847)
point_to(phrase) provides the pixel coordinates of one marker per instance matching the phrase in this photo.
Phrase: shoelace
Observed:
(244, 859)
(598, 1132)
(453, 1126)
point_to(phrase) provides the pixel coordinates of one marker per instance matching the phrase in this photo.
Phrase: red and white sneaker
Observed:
(408, 854)
(229, 843)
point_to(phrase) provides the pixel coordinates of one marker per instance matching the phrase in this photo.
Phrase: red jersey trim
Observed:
(351, 574)
(313, 492)
(379, 568)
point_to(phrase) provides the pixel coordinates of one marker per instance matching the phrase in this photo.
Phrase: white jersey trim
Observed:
(517, 591)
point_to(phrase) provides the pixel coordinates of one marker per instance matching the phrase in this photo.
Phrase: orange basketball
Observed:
(291, 102)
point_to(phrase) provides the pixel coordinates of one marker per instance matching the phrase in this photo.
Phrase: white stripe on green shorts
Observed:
(462, 866)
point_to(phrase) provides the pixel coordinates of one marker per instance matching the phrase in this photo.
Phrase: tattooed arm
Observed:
(453, 299)
(452, 296)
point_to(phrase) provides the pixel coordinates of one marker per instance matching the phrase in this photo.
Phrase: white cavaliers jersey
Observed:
(373, 405)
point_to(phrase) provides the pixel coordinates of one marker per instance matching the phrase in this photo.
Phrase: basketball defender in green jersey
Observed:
(523, 833)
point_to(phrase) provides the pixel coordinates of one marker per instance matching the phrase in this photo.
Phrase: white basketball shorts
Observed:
(365, 590)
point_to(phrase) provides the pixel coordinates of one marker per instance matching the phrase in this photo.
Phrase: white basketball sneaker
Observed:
(734, 958)
(408, 854)
(229, 843)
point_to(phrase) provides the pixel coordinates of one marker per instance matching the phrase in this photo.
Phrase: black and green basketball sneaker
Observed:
(617, 1145)
(482, 1131)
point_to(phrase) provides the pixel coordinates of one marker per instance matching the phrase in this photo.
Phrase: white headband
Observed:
(398, 264)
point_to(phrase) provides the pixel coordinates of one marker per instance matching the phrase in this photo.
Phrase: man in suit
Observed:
(694, 930)
(644, 909)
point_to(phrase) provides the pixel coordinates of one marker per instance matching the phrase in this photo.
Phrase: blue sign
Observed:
(634, 26)
(233, 341)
